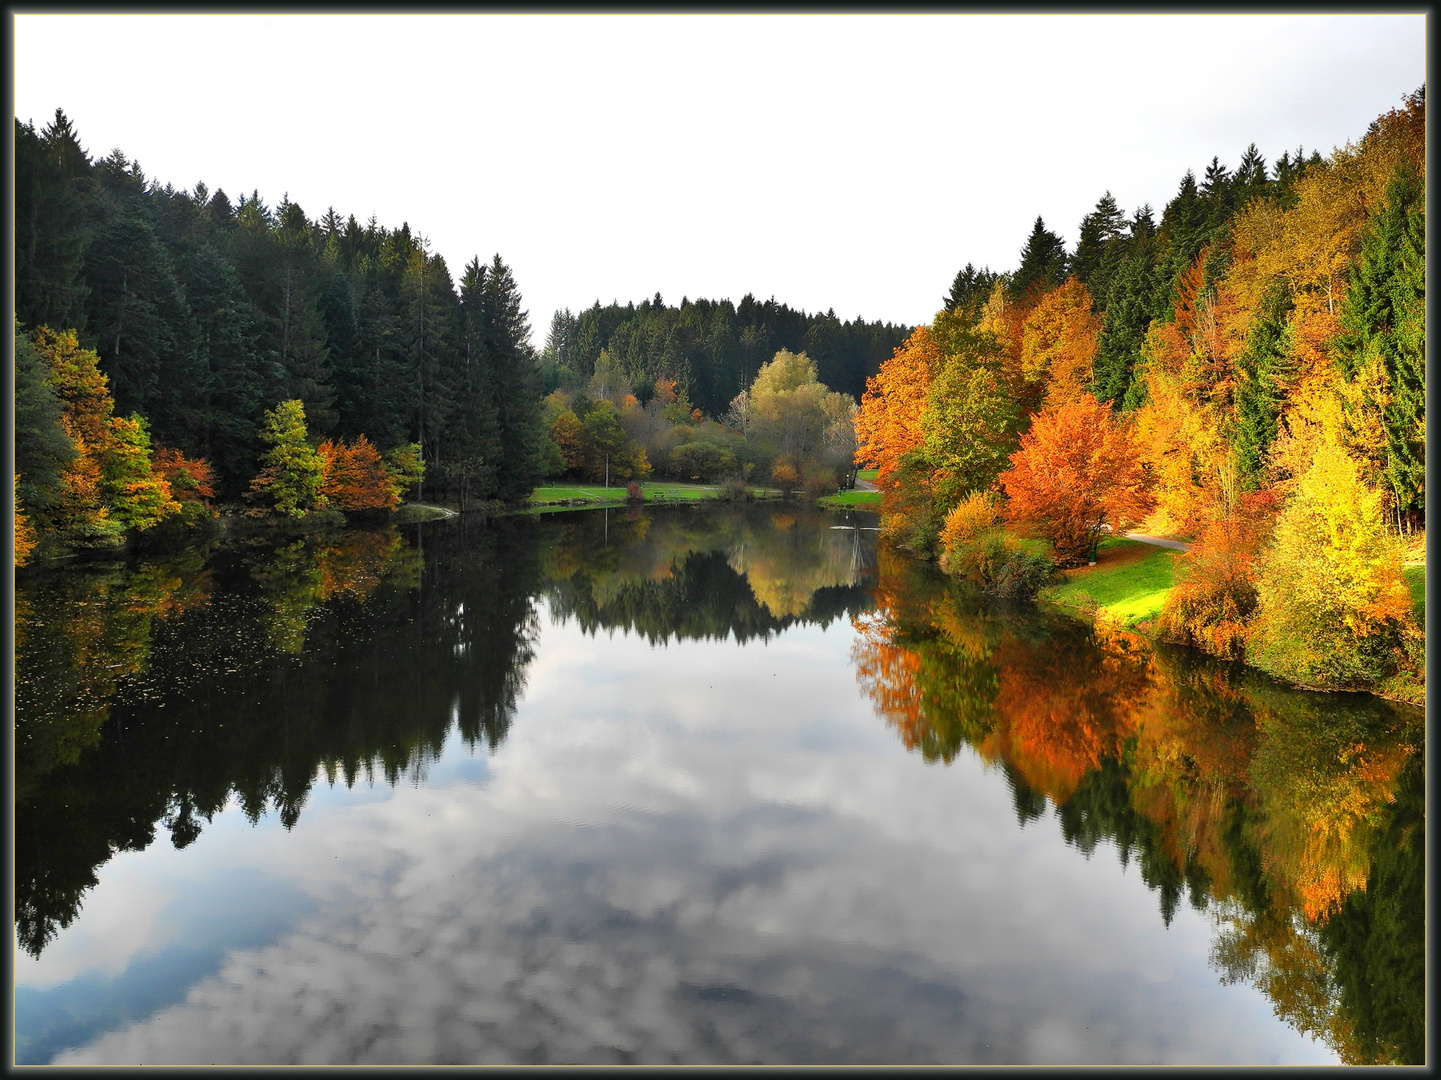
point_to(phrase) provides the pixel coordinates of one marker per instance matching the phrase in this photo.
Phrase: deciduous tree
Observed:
(1077, 475)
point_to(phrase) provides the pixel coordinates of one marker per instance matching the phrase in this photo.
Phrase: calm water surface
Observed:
(712, 785)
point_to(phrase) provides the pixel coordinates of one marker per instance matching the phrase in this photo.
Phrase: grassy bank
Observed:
(1127, 585)
(1416, 581)
(852, 500)
(570, 496)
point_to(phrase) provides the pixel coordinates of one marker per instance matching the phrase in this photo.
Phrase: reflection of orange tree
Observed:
(300, 576)
(1271, 803)
(78, 637)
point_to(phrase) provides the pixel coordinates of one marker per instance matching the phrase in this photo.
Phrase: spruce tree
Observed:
(1100, 228)
(1384, 317)
(1043, 261)
(1263, 370)
(517, 399)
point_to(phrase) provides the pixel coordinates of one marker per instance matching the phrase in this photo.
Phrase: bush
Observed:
(634, 492)
(734, 490)
(1212, 604)
(993, 562)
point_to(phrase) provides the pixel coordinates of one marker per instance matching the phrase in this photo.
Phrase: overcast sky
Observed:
(853, 161)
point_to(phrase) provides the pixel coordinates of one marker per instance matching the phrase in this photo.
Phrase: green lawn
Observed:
(852, 500)
(1129, 582)
(557, 496)
(1416, 581)
(868, 474)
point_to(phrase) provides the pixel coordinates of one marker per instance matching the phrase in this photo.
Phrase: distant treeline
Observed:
(712, 349)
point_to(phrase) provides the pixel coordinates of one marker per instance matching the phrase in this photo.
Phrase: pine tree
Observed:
(476, 440)
(1043, 261)
(1384, 318)
(969, 290)
(52, 184)
(1100, 229)
(1262, 372)
(517, 397)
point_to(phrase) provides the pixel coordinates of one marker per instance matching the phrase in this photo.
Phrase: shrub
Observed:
(1213, 603)
(634, 492)
(734, 489)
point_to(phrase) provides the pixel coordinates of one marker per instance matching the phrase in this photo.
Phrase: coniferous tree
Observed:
(1262, 372)
(969, 290)
(1131, 305)
(1384, 319)
(1100, 231)
(1043, 261)
(506, 337)
(52, 235)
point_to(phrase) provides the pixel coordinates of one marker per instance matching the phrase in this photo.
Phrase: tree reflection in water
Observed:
(154, 692)
(1296, 818)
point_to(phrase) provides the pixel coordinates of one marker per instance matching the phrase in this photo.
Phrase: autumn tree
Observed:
(24, 533)
(1077, 475)
(1058, 342)
(354, 478)
(969, 422)
(888, 424)
(191, 482)
(1333, 609)
(291, 471)
(109, 486)
(1214, 600)
(138, 498)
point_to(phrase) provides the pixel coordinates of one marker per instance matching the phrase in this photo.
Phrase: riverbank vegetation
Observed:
(1248, 372)
(203, 315)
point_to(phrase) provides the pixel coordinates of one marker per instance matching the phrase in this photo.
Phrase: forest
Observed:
(1247, 373)
(175, 349)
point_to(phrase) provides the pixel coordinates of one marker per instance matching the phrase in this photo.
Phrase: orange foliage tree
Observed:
(1076, 475)
(190, 482)
(1058, 342)
(888, 425)
(354, 478)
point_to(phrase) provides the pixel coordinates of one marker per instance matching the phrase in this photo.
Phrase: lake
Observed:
(714, 784)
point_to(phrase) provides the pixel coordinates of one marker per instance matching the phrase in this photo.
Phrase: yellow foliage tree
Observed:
(1333, 609)
(1058, 342)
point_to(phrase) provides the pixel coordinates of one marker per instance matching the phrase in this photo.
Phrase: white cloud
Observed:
(689, 881)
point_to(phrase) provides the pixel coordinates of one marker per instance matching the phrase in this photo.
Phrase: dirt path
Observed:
(1174, 545)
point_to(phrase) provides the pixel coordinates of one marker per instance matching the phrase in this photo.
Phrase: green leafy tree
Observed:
(138, 499)
(291, 469)
(970, 422)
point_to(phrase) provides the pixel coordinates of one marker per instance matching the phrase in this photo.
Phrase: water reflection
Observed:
(692, 853)
(1296, 818)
